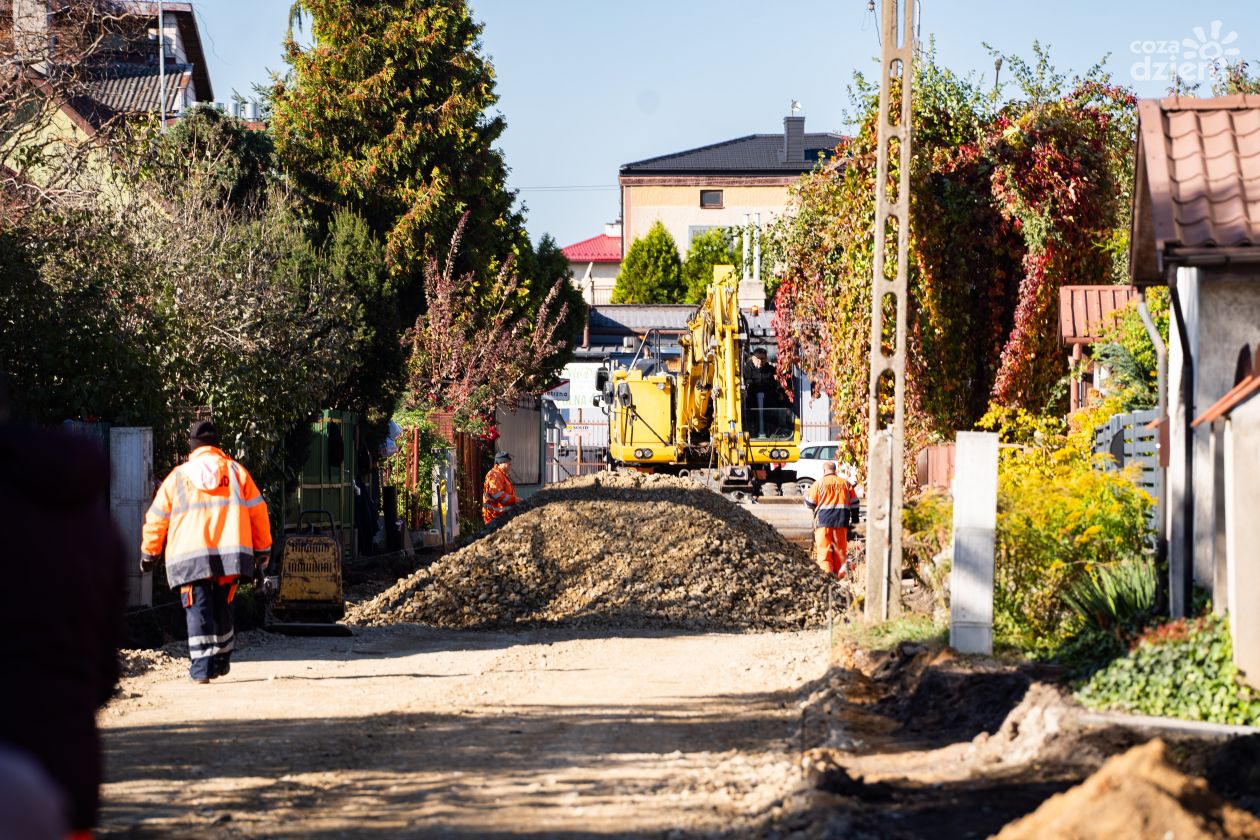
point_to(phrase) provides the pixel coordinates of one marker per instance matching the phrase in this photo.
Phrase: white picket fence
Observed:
(1126, 438)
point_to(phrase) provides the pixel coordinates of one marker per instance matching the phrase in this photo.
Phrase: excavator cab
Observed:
(639, 401)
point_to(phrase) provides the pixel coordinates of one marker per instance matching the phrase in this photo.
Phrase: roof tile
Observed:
(1202, 167)
(1085, 310)
(1214, 123)
(601, 249)
(115, 89)
(753, 153)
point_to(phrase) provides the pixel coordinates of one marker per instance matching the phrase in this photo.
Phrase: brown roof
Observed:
(1197, 191)
(1085, 310)
(1246, 384)
(130, 89)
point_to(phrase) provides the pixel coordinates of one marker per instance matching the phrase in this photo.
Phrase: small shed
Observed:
(1196, 230)
(1084, 313)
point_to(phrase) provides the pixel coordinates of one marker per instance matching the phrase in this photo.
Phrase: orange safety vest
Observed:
(831, 500)
(209, 517)
(497, 495)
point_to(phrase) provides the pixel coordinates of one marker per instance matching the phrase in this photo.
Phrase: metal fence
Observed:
(567, 461)
(1128, 440)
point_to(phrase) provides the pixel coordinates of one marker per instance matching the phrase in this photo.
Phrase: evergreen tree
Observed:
(711, 248)
(389, 114)
(651, 271)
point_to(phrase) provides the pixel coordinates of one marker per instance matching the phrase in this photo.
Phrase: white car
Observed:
(809, 467)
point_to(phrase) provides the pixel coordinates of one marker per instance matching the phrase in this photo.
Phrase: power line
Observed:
(570, 188)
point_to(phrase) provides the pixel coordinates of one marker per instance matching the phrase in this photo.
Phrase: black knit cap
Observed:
(203, 433)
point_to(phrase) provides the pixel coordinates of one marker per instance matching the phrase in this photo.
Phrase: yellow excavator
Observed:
(707, 413)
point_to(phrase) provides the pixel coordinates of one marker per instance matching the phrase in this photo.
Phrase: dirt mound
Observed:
(1136, 795)
(616, 550)
(136, 662)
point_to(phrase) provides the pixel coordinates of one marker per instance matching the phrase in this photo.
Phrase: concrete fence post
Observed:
(975, 524)
(130, 493)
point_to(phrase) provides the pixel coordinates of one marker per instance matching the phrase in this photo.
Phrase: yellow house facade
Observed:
(715, 186)
(118, 74)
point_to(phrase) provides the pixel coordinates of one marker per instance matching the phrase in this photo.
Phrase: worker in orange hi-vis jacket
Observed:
(833, 501)
(211, 521)
(499, 494)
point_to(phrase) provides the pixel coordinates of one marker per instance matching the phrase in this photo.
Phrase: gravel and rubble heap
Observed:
(133, 663)
(615, 550)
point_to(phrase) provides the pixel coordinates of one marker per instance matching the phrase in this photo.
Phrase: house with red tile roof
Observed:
(1196, 230)
(594, 263)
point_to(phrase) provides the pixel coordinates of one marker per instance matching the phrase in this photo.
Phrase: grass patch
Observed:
(888, 634)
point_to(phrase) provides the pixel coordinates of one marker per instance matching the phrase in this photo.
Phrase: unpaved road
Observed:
(412, 732)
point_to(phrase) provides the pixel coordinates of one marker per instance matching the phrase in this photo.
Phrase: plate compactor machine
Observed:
(303, 592)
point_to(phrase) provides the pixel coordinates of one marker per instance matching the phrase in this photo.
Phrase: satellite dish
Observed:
(796, 105)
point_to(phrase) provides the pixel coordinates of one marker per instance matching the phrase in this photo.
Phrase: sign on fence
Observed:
(559, 393)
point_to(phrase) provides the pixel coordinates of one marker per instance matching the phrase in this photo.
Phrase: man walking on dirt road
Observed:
(499, 493)
(832, 499)
(212, 522)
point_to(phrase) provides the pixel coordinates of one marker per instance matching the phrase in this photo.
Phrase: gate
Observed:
(1128, 440)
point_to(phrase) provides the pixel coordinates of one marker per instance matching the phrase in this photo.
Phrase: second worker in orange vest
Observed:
(834, 503)
(499, 493)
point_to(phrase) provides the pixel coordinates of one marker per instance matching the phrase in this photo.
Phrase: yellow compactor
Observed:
(692, 415)
(305, 596)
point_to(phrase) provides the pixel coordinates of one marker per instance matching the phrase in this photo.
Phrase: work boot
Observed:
(220, 664)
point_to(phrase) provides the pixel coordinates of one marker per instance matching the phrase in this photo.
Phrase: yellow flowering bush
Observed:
(1059, 518)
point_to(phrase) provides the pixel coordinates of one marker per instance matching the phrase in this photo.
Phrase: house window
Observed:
(694, 231)
(711, 199)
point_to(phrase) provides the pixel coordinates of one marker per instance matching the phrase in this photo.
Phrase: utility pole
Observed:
(161, 39)
(885, 457)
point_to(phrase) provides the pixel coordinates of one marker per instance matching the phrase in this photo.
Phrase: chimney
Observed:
(32, 31)
(613, 229)
(793, 139)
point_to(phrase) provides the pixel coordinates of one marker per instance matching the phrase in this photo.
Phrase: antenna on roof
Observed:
(796, 105)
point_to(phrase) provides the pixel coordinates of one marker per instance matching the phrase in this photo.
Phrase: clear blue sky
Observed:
(587, 85)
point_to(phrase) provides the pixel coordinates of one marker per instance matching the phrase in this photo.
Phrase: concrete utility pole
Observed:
(161, 39)
(888, 291)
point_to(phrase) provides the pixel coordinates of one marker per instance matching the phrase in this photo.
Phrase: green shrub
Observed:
(1115, 597)
(1184, 669)
(651, 271)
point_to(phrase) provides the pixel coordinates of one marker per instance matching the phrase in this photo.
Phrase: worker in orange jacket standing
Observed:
(211, 521)
(834, 503)
(499, 493)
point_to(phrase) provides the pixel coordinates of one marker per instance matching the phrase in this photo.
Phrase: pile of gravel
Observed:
(617, 550)
(134, 663)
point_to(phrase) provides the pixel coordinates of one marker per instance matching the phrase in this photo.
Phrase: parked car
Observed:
(809, 467)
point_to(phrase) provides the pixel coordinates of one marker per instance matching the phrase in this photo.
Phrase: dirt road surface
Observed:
(413, 732)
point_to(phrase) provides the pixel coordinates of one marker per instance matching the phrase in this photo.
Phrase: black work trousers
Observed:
(211, 639)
